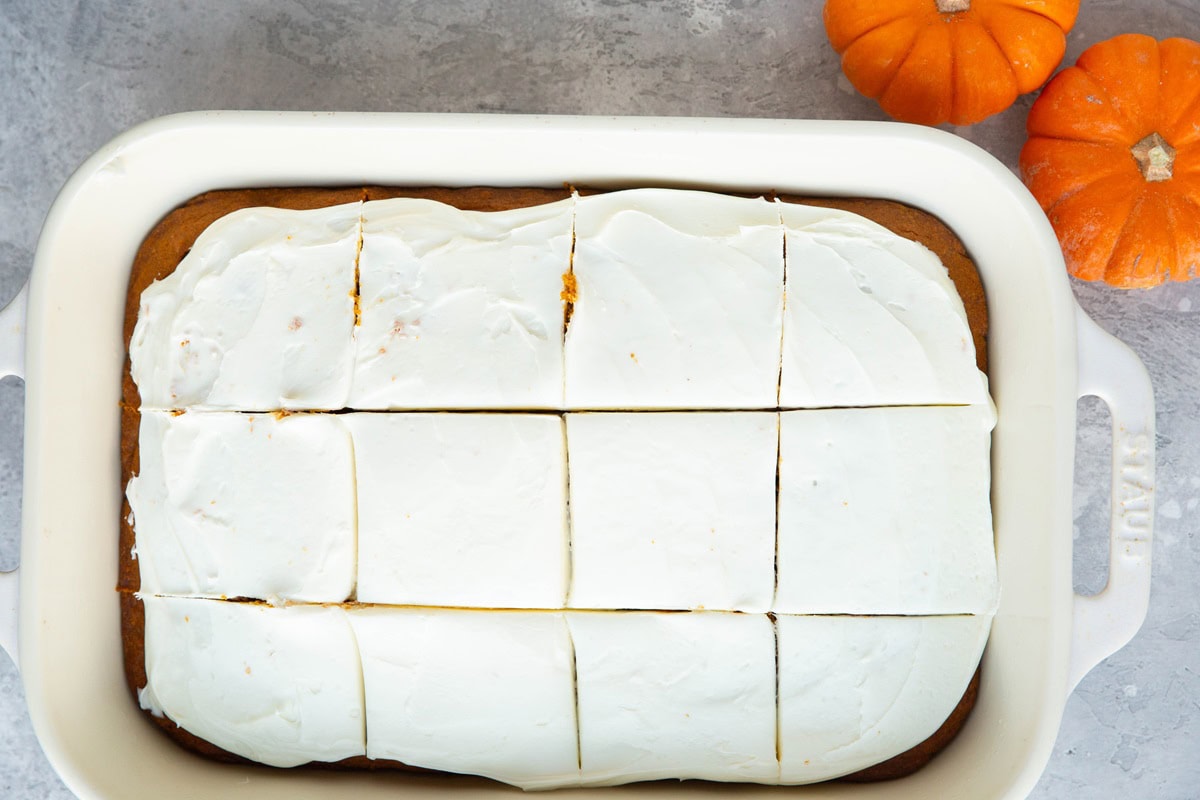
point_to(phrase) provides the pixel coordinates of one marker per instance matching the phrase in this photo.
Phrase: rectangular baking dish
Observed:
(1044, 354)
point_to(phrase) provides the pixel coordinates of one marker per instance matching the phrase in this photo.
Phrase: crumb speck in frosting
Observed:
(570, 290)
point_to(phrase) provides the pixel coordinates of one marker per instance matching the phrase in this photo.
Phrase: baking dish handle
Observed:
(12, 362)
(1105, 622)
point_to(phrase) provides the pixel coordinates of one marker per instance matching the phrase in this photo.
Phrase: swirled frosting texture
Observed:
(461, 309)
(281, 686)
(258, 316)
(679, 301)
(245, 505)
(872, 318)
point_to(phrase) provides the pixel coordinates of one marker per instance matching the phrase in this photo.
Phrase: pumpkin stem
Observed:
(1154, 157)
(953, 6)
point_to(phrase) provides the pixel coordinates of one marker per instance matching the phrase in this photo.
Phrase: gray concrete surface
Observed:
(74, 74)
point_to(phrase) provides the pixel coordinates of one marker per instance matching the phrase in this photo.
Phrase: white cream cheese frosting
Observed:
(678, 302)
(258, 316)
(886, 511)
(854, 691)
(675, 695)
(281, 686)
(679, 299)
(461, 509)
(871, 318)
(478, 692)
(461, 309)
(672, 510)
(245, 505)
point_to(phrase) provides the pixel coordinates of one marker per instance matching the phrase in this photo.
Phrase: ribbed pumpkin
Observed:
(959, 61)
(1113, 157)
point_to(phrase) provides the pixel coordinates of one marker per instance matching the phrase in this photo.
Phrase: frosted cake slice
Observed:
(678, 302)
(872, 318)
(461, 309)
(258, 316)
(213, 518)
(886, 511)
(281, 686)
(461, 509)
(672, 510)
(854, 691)
(479, 692)
(675, 695)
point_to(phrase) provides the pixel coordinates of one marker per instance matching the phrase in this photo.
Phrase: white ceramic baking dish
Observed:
(1044, 354)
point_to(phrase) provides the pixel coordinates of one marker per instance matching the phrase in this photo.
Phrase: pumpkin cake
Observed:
(409, 469)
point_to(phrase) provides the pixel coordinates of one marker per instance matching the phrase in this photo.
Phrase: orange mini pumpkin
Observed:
(959, 61)
(1113, 157)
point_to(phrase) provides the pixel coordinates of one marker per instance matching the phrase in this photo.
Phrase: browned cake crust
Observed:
(170, 240)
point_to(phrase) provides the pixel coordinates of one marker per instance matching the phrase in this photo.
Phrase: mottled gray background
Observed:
(74, 74)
